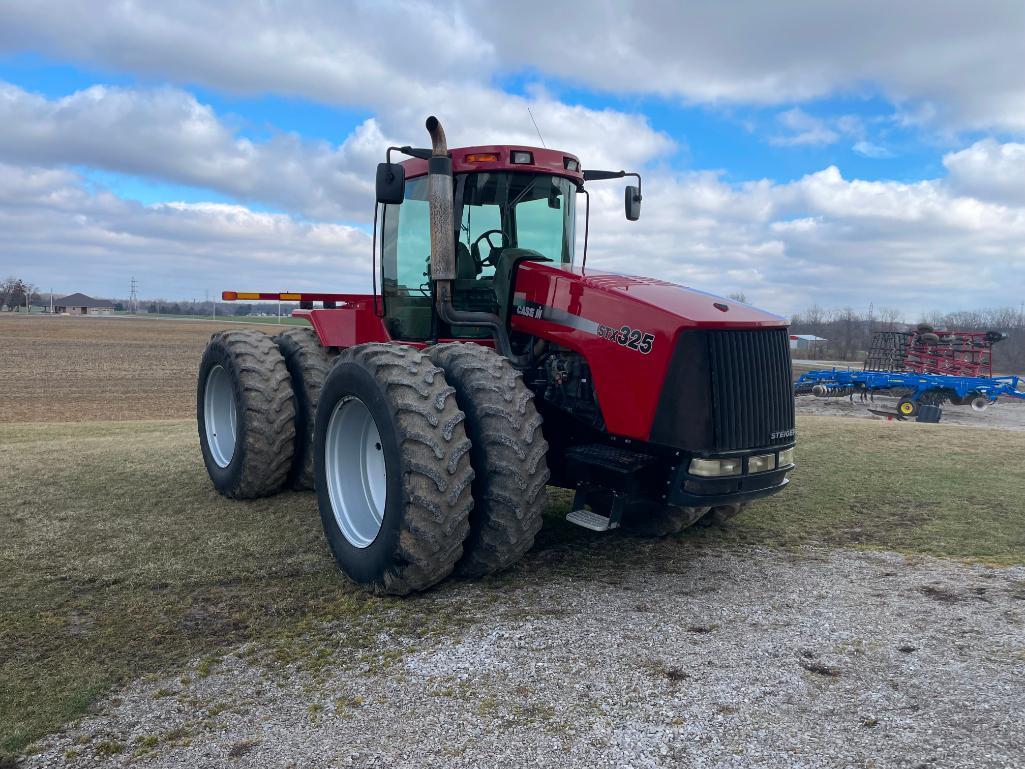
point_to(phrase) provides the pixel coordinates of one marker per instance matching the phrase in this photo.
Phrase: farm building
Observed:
(80, 304)
(806, 342)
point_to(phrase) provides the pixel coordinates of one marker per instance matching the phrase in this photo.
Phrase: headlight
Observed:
(710, 468)
(761, 463)
(786, 457)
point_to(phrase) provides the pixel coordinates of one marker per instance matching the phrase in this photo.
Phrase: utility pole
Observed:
(133, 301)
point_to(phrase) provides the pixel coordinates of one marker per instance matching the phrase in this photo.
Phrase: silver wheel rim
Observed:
(357, 478)
(220, 416)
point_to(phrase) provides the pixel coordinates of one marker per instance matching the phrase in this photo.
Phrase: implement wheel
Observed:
(246, 414)
(308, 362)
(509, 456)
(907, 407)
(392, 464)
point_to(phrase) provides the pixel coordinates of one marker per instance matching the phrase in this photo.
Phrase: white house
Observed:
(806, 342)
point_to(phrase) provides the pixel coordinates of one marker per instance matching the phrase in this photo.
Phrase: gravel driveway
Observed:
(1005, 414)
(696, 656)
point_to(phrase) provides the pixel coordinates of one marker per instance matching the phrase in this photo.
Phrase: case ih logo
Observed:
(530, 310)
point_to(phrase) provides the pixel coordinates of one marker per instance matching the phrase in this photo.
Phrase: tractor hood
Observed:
(608, 298)
(697, 307)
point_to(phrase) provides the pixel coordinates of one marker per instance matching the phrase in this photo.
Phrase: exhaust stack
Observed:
(443, 246)
(439, 196)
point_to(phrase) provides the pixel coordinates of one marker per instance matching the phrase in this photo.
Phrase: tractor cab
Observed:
(509, 205)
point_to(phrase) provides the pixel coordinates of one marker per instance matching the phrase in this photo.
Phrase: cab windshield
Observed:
(507, 210)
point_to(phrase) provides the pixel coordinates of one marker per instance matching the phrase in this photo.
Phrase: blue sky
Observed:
(781, 160)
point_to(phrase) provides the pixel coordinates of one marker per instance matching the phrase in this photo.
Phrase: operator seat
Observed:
(466, 267)
(470, 291)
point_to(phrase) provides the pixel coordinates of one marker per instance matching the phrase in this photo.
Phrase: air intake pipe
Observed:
(443, 254)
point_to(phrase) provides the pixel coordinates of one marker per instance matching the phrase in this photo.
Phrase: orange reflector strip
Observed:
(229, 296)
(482, 157)
(292, 297)
(248, 295)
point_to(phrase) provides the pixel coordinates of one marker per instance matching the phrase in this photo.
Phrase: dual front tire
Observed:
(392, 464)
(427, 463)
(650, 519)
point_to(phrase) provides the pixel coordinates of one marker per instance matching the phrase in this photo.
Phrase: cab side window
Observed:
(407, 239)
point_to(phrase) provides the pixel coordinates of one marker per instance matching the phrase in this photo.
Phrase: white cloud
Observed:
(167, 134)
(64, 235)
(955, 241)
(990, 170)
(821, 238)
(871, 150)
(951, 65)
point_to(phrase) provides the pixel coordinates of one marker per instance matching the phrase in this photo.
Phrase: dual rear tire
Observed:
(246, 414)
(308, 363)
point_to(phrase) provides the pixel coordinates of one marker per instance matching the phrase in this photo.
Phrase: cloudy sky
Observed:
(840, 153)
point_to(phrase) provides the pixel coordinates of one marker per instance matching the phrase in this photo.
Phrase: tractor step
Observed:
(590, 520)
(623, 471)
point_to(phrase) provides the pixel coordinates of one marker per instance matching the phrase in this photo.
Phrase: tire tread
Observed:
(267, 412)
(509, 455)
(308, 363)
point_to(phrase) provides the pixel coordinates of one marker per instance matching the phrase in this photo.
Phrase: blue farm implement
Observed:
(913, 389)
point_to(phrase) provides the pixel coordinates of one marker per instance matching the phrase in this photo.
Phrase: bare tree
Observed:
(31, 293)
(7, 289)
(890, 318)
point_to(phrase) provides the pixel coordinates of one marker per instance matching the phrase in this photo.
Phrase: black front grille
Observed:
(752, 396)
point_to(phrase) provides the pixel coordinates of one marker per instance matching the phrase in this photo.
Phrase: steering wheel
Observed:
(475, 248)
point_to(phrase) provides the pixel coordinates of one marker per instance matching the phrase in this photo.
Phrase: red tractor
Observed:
(430, 415)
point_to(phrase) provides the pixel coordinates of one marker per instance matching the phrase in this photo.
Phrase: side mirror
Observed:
(391, 183)
(633, 203)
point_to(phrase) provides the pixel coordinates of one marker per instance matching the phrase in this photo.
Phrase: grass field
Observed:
(117, 559)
